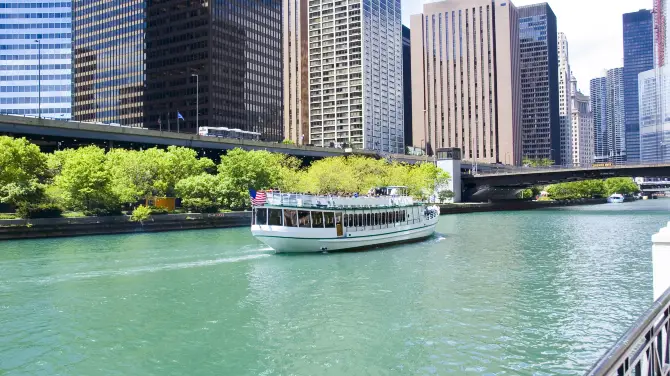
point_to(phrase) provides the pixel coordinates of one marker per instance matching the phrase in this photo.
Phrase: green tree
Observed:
(198, 191)
(241, 170)
(84, 180)
(23, 169)
(624, 186)
(543, 162)
(445, 195)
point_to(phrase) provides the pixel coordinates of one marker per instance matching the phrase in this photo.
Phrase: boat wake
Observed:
(146, 269)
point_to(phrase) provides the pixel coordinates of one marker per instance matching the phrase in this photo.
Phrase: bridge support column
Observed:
(660, 256)
(450, 161)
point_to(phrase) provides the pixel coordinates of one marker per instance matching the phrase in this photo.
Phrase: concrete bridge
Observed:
(505, 184)
(54, 134)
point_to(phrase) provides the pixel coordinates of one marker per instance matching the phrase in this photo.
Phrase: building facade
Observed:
(607, 104)
(178, 65)
(654, 91)
(540, 120)
(638, 51)
(407, 84)
(565, 100)
(616, 116)
(35, 58)
(296, 71)
(355, 74)
(598, 89)
(582, 127)
(465, 79)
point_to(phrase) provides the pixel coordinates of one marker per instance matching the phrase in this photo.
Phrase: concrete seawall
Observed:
(515, 205)
(60, 227)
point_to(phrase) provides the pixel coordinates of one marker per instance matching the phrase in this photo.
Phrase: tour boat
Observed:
(616, 199)
(297, 223)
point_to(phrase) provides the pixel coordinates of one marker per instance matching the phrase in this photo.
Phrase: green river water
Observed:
(519, 293)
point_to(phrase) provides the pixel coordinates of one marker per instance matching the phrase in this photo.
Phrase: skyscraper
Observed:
(638, 57)
(607, 95)
(540, 121)
(465, 79)
(654, 93)
(35, 58)
(145, 63)
(407, 84)
(598, 89)
(565, 101)
(355, 74)
(296, 74)
(582, 127)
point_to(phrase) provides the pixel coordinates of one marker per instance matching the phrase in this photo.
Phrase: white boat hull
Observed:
(325, 240)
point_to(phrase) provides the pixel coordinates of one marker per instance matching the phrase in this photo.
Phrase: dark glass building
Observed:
(638, 56)
(218, 62)
(407, 83)
(540, 120)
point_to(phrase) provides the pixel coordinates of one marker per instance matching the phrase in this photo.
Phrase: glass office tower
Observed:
(638, 56)
(35, 59)
(217, 64)
(108, 46)
(540, 116)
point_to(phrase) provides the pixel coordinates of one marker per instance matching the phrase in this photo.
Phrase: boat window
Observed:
(261, 217)
(383, 218)
(317, 219)
(397, 216)
(368, 220)
(290, 218)
(275, 217)
(303, 219)
(329, 218)
(360, 220)
(350, 223)
(404, 216)
(338, 218)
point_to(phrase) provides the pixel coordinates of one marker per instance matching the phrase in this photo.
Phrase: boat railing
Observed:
(320, 201)
(645, 348)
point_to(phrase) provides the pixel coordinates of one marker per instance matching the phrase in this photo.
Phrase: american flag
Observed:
(257, 198)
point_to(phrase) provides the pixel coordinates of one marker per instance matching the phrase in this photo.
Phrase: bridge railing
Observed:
(645, 348)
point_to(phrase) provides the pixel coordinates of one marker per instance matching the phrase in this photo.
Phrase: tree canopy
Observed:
(23, 168)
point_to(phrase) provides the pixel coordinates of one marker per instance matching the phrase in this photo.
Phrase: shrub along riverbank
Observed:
(585, 189)
(98, 182)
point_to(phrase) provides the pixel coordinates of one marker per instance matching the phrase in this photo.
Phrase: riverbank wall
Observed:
(515, 205)
(61, 227)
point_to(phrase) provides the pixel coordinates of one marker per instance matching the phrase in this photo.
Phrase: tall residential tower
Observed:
(582, 127)
(354, 59)
(607, 104)
(465, 79)
(35, 60)
(565, 101)
(540, 120)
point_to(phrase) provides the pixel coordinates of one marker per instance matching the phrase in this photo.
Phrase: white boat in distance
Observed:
(616, 199)
(297, 223)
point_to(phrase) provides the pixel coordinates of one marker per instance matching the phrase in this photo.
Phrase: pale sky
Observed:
(593, 27)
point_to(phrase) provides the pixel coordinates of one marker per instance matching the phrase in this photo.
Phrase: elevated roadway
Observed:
(60, 134)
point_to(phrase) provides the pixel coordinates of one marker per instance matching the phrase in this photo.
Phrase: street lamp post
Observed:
(39, 78)
(197, 101)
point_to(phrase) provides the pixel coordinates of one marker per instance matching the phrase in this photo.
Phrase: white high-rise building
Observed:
(354, 58)
(565, 96)
(582, 127)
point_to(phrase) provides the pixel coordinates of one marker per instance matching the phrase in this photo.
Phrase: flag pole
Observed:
(177, 121)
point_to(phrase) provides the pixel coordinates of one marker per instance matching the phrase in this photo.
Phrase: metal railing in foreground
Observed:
(645, 348)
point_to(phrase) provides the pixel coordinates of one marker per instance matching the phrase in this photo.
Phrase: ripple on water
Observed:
(541, 293)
